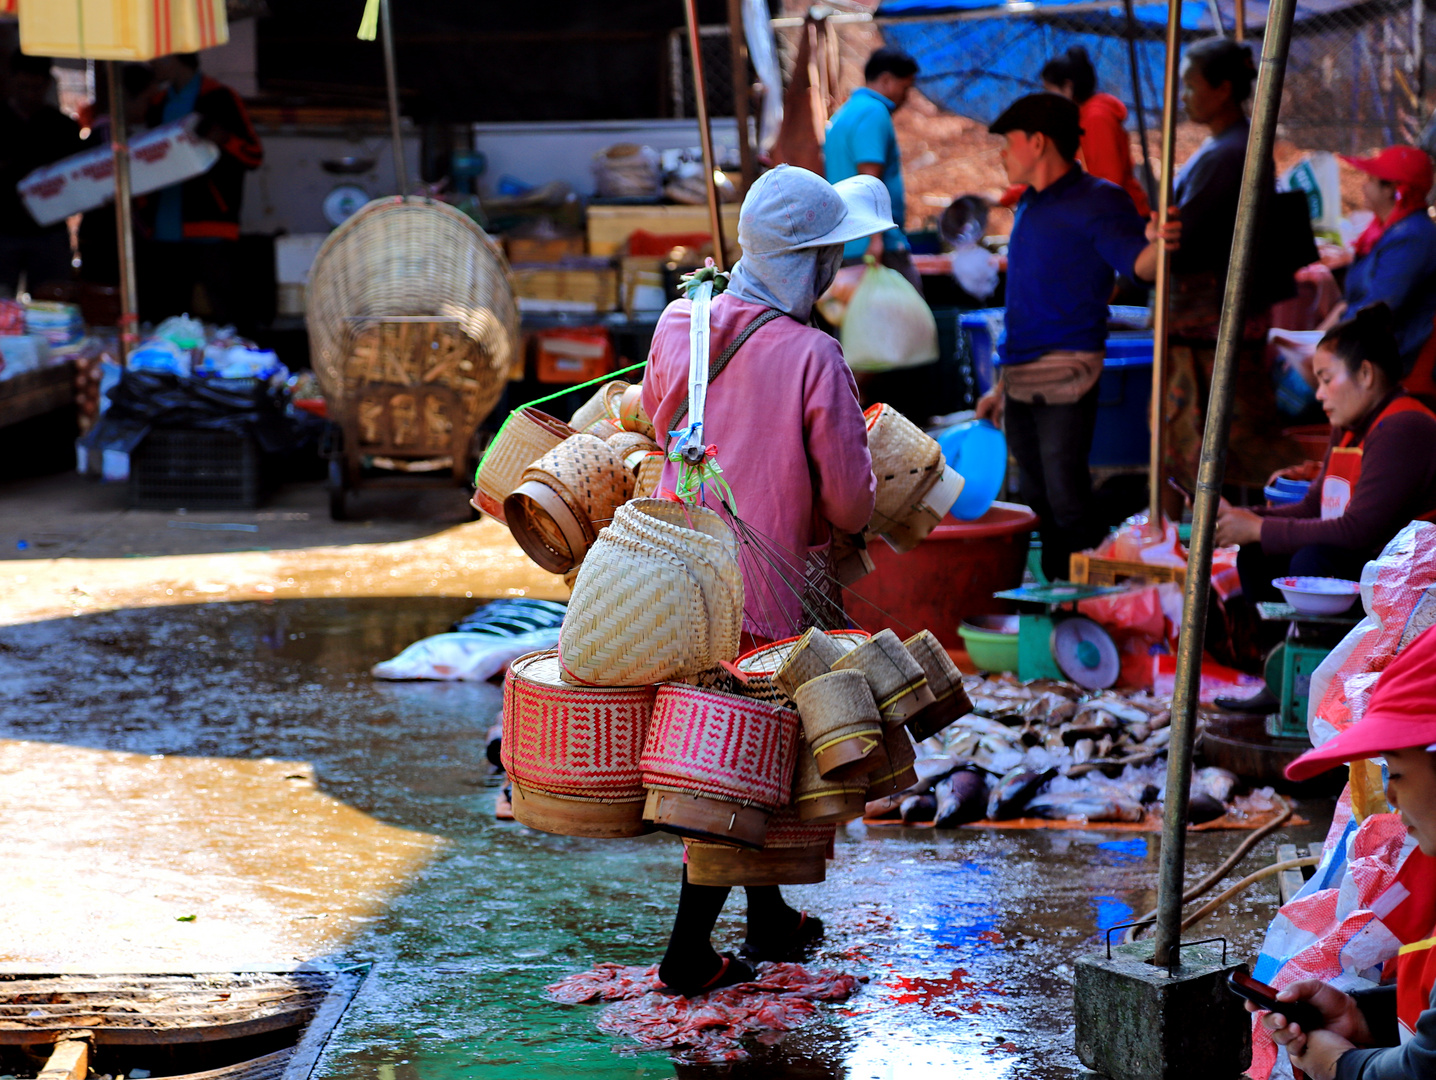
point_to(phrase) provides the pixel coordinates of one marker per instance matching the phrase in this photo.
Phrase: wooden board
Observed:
(1095, 570)
(148, 1010)
(610, 226)
(34, 393)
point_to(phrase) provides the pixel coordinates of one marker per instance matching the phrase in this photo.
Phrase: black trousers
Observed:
(1258, 569)
(1051, 444)
(169, 272)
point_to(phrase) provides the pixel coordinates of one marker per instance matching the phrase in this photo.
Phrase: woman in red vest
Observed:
(1387, 1032)
(1379, 472)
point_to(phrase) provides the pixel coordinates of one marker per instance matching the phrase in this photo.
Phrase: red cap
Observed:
(1397, 165)
(1401, 715)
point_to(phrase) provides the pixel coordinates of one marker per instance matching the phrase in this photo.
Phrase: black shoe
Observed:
(792, 947)
(731, 972)
(1262, 703)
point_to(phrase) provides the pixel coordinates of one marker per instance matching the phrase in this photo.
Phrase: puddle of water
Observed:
(967, 938)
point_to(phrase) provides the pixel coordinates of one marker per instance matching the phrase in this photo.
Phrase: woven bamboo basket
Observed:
(761, 665)
(795, 852)
(821, 801)
(630, 412)
(812, 655)
(634, 448)
(412, 261)
(597, 407)
(840, 723)
(648, 475)
(898, 682)
(564, 498)
(950, 701)
(650, 604)
(717, 765)
(526, 436)
(572, 753)
(907, 534)
(906, 462)
(605, 428)
(894, 770)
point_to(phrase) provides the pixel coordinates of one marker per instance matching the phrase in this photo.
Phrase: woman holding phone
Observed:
(1387, 1032)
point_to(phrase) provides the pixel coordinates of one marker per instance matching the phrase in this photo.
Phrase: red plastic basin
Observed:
(951, 575)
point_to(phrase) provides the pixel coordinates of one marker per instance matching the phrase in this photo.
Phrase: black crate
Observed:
(215, 470)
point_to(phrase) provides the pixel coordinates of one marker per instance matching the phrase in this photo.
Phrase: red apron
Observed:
(1343, 467)
(1415, 976)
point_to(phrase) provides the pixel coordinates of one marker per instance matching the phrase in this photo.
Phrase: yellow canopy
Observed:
(118, 29)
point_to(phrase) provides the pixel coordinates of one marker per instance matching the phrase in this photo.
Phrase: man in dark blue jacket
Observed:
(1071, 236)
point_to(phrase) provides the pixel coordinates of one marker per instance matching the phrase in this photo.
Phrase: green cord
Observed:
(556, 394)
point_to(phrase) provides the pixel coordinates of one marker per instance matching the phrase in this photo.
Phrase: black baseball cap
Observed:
(1051, 114)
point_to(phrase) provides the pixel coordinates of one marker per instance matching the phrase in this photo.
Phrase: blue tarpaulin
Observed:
(977, 57)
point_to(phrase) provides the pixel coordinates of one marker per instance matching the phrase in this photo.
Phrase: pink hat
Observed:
(1401, 715)
(1397, 165)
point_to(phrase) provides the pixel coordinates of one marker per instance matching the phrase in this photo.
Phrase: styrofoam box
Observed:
(169, 154)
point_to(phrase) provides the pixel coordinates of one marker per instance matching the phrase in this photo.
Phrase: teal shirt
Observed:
(861, 132)
(169, 204)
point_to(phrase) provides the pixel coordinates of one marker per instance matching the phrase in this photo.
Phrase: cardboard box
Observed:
(566, 288)
(166, 155)
(609, 226)
(293, 259)
(543, 249)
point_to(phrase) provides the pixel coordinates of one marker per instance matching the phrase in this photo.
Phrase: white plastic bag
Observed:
(1320, 178)
(467, 656)
(887, 324)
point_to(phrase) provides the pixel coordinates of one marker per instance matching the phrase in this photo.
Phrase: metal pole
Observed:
(391, 80)
(1163, 285)
(1137, 98)
(739, 51)
(1256, 177)
(124, 225)
(1240, 10)
(705, 135)
(1418, 52)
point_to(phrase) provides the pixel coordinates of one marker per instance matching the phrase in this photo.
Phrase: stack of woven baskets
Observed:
(557, 485)
(916, 487)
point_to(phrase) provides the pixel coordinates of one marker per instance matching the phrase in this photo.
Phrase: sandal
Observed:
(731, 972)
(795, 946)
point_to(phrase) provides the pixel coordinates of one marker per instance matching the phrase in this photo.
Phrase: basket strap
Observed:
(719, 364)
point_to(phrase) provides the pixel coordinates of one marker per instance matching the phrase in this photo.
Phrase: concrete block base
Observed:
(1137, 1022)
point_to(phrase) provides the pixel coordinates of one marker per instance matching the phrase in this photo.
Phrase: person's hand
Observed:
(990, 406)
(1236, 526)
(1316, 1052)
(1170, 233)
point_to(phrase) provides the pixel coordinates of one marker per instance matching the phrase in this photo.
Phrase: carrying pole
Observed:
(1162, 291)
(124, 223)
(741, 103)
(391, 81)
(1137, 99)
(1239, 33)
(705, 134)
(1256, 177)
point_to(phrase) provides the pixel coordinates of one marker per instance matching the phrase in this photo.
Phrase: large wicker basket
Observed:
(411, 293)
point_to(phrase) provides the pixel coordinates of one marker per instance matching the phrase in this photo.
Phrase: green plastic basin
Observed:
(991, 641)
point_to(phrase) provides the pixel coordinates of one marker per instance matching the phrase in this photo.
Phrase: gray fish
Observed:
(917, 808)
(1203, 807)
(1010, 796)
(1077, 806)
(1083, 750)
(1218, 783)
(961, 798)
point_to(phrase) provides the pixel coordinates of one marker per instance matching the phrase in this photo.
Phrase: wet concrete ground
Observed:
(234, 762)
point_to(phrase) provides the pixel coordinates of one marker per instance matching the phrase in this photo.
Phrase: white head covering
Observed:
(792, 229)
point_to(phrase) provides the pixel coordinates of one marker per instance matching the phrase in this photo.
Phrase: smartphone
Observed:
(1302, 1013)
(1182, 489)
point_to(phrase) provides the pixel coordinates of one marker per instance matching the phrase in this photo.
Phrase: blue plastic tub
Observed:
(1284, 492)
(986, 331)
(978, 451)
(1124, 398)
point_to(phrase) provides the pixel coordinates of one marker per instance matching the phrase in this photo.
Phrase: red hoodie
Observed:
(1106, 151)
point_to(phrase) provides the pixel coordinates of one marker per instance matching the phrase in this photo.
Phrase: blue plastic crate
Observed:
(1124, 394)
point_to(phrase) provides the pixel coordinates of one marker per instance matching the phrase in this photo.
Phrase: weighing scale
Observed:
(1060, 644)
(1290, 666)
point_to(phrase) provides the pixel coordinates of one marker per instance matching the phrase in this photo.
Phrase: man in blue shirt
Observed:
(1071, 236)
(861, 139)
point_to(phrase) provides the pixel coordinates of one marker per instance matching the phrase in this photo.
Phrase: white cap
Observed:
(789, 208)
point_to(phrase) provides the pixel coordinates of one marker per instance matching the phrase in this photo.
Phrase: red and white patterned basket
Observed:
(717, 765)
(573, 752)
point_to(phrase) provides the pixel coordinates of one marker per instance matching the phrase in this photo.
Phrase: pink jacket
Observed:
(790, 438)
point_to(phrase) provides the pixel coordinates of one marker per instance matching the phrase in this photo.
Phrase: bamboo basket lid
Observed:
(906, 462)
(597, 407)
(526, 436)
